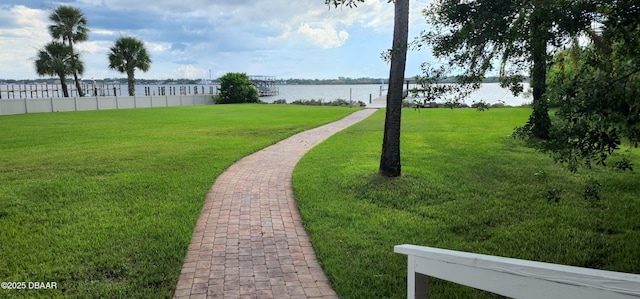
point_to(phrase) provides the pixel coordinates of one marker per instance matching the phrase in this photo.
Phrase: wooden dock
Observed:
(381, 102)
(266, 85)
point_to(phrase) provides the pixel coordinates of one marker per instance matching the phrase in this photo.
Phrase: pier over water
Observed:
(266, 85)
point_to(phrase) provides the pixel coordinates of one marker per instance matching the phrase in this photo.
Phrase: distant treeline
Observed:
(342, 80)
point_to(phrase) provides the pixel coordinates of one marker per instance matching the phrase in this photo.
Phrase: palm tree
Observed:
(70, 25)
(55, 59)
(126, 55)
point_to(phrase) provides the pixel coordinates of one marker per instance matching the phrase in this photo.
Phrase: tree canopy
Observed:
(512, 37)
(348, 3)
(127, 55)
(70, 26)
(597, 90)
(237, 88)
(595, 83)
(55, 59)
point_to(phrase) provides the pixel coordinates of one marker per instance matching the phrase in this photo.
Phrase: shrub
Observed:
(481, 105)
(336, 102)
(421, 104)
(410, 104)
(237, 88)
(433, 105)
(455, 104)
(311, 102)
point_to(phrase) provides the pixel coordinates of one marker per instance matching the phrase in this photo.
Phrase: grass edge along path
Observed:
(104, 202)
(466, 185)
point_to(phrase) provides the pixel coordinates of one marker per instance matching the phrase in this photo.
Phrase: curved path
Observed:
(249, 241)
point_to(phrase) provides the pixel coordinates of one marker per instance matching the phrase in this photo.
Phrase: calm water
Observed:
(490, 92)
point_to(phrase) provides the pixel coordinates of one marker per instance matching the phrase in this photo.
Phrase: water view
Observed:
(490, 92)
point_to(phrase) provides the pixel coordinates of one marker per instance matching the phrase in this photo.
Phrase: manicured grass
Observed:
(465, 186)
(104, 203)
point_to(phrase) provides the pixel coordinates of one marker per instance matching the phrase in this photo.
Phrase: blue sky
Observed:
(188, 39)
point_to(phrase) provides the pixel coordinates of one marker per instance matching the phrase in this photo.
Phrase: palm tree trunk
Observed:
(75, 73)
(63, 82)
(131, 83)
(78, 87)
(390, 159)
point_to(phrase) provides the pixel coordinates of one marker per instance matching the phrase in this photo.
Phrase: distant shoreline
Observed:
(123, 81)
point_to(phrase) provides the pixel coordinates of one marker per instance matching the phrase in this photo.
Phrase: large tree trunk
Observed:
(390, 158)
(539, 119)
(131, 82)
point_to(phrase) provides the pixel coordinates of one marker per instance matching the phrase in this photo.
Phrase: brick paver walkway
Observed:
(249, 241)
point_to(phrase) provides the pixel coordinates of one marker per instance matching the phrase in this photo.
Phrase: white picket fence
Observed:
(512, 277)
(41, 105)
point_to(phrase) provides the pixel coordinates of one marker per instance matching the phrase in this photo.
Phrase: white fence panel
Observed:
(40, 105)
(204, 100)
(158, 101)
(142, 102)
(513, 277)
(63, 104)
(174, 100)
(105, 103)
(12, 107)
(86, 104)
(125, 102)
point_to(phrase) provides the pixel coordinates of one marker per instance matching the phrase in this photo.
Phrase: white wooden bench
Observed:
(513, 277)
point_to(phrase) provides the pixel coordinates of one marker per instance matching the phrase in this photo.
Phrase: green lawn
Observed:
(104, 202)
(466, 185)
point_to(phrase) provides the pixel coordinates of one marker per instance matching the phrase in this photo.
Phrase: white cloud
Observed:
(286, 33)
(325, 35)
(21, 38)
(190, 72)
(94, 56)
(157, 47)
(187, 38)
(91, 47)
(103, 32)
